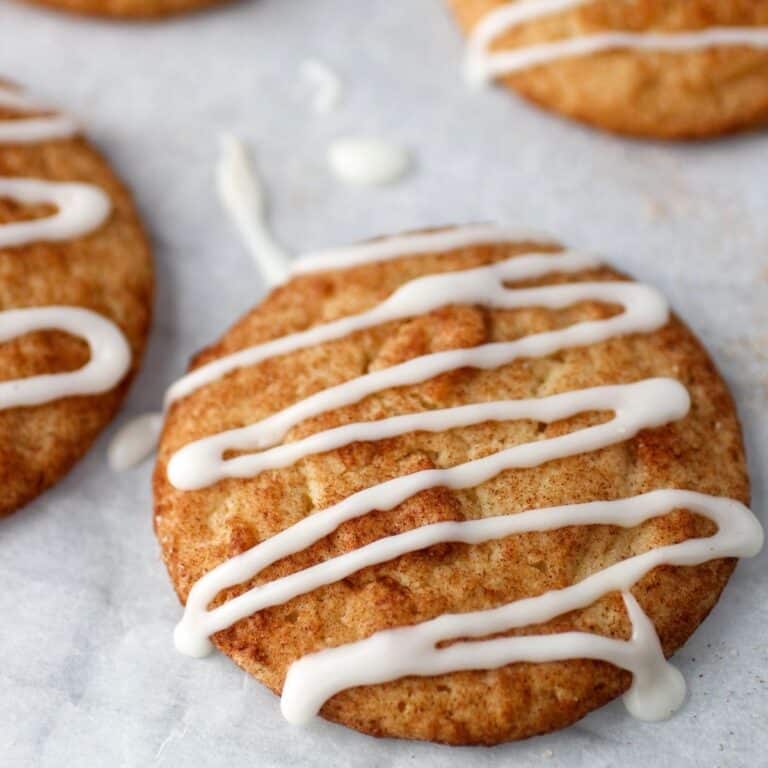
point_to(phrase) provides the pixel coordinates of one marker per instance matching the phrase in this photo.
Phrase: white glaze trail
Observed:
(638, 406)
(367, 162)
(326, 85)
(482, 65)
(243, 198)
(431, 242)
(31, 130)
(201, 463)
(109, 362)
(81, 208)
(398, 247)
(485, 286)
(412, 650)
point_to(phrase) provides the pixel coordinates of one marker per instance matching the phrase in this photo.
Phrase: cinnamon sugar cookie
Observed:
(657, 68)
(129, 9)
(461, 486)
(75, 296)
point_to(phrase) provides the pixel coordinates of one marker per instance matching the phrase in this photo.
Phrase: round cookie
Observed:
(128, 9)
(668, 94)
(203, 521)
(97, 260)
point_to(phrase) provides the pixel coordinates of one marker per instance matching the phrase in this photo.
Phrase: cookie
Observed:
(75, 296)
(655, 68)
(461, 486)
(129, 9)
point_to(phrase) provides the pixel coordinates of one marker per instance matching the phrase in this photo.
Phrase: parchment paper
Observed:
(88, 674)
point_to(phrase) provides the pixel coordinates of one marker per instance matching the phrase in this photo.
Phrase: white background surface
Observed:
(88, 674)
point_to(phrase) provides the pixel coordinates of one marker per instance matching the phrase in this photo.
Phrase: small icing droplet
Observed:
(367, 162)
(325, 83)
(243, 198)
(134, 441)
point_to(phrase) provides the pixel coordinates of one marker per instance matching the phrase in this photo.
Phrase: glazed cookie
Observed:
(75, 293)
(127, 9)
(461, 486)
(669, 69)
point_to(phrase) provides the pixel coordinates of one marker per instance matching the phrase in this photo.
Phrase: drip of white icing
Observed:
(326, 84)
(243, 198)
(81, 208)
(109, 362)
(658, 689)
(390, 248)
(482, 65)
(33, 129)
(639, 406)
(367, 162)
(201, 463)
(134, 441)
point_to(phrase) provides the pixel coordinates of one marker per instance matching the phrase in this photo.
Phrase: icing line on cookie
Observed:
(81, 209)
(201, 463)
(482, 65)
(481, 285)
(390, 248)
(28, 130)
(644, 405)
(109, 361)
(401, 246)
(412, 650)
(243, 198)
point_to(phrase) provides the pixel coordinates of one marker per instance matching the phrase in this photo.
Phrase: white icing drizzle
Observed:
(482, 286)
(201, 463)
(326, 85)
(243, 198)
(81, 209)
(392, 654)
(367, 162)
(134, 441)
(657, 689)
(32, 129)
(390, 248)
(110, 354)
(636, 406)
(482, 65)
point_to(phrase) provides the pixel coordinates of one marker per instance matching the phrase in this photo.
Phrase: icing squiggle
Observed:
(80, 209)
(201, 463)
(396, 653)
(482, 64)
(636, 406)
(657, 687)
(30, 130)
